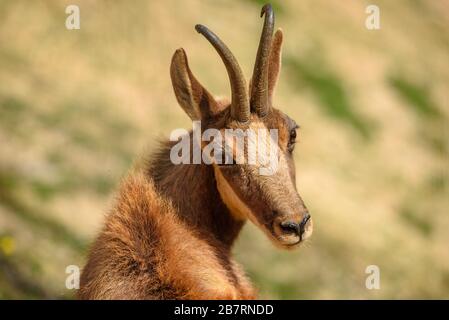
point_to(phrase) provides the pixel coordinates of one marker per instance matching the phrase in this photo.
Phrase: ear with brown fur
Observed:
(194, 99)
(274, 63)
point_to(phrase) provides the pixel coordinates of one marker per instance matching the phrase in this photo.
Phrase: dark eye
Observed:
(292, 140)
(293, 134)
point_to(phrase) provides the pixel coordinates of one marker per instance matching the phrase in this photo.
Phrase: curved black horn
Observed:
(239, 106)
(259, 89)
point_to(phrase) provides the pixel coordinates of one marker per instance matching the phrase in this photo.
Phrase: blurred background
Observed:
(77, 107)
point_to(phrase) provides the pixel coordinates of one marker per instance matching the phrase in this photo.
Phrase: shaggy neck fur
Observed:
(192, 189)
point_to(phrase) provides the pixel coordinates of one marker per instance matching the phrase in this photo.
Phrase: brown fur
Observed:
(146, 251)
(172, 228)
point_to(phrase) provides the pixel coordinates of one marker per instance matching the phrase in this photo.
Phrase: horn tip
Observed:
(266, 8)
(200, 28)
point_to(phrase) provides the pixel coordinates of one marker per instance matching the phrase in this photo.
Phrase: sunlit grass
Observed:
(328, 88)
(77, 107)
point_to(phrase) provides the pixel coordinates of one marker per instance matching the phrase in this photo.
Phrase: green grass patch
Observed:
(416, 96)
(438, 182)
(41, 222)
(12, 112)
(431, 132)
(330, 92)
(417, 221)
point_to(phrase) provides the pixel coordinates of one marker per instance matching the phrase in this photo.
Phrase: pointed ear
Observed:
(274, 63)
(194, 99)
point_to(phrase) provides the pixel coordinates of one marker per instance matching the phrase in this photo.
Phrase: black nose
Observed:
(297, 228)
(291, 227)
(303, 224)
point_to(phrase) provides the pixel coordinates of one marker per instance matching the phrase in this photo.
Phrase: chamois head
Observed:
(270, 200)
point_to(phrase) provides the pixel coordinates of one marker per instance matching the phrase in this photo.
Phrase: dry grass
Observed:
(76, 107)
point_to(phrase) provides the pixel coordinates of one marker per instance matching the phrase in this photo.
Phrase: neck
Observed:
(192, 189)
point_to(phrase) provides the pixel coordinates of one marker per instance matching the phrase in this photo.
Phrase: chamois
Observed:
(172, 228)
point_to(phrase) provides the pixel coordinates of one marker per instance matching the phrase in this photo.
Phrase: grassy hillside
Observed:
(77, 107)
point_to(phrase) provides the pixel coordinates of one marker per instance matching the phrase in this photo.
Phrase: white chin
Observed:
(288, 240)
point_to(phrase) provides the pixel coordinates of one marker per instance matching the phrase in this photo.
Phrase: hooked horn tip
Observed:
(266, 8)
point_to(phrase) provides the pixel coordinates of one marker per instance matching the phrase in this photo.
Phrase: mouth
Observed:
(288, 241)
